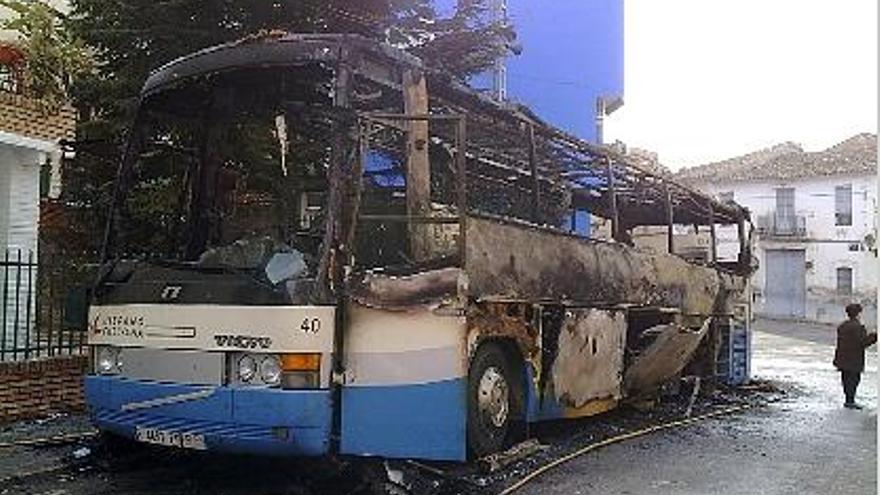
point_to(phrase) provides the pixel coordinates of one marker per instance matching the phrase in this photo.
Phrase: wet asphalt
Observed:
(807, 444)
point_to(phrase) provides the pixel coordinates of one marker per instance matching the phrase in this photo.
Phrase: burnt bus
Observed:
(318, 245)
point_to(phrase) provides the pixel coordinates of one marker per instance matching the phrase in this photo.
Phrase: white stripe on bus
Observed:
(171, 399)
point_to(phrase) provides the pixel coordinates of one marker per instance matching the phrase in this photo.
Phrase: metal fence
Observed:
(32, 320)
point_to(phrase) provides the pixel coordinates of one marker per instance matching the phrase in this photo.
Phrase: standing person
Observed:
(849, 357)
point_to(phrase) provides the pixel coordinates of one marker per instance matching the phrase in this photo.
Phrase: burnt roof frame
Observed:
(384, 64)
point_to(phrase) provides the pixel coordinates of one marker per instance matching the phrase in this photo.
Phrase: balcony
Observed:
(786, 226)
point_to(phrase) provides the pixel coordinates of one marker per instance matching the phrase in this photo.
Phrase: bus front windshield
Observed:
(227, 169)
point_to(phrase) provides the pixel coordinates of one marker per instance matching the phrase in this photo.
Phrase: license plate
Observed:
(180, 439)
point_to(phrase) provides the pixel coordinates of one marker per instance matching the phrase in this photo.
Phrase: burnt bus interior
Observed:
(303, 168)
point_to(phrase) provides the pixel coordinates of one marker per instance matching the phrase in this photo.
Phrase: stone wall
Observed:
(28, 117)
(40, 387)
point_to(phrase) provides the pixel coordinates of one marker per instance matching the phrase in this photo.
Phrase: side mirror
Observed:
(76, 308)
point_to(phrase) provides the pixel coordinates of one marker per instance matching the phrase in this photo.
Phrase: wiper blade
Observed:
(194, 266)
(252, 274)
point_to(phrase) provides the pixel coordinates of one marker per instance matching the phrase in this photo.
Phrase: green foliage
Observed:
(129, 38)
(55, 57)
(466, 43)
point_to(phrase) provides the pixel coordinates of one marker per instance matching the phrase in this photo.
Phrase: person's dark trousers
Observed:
(850, 381)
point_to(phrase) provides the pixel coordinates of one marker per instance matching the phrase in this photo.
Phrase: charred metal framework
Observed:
(515, 166)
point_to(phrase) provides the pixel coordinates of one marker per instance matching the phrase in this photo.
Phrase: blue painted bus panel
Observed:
(536, 409)
(425, 421)
(255, 421)
(117, 392)
(312, 407)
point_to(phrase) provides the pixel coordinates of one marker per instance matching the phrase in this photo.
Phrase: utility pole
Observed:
(499, 72)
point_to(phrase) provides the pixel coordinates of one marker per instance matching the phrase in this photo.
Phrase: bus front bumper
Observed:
(236, 420)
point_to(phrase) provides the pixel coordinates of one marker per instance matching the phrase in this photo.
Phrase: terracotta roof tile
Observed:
(856, 155)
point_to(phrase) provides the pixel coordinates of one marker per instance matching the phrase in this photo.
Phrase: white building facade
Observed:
(814, 215)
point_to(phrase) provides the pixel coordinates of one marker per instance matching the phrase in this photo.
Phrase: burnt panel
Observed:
(506, 260)
(672, 349)
(589, 359)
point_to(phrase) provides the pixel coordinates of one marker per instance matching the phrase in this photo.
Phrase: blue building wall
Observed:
(572, 54)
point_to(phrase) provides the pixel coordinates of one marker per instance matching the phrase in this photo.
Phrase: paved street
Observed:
(808, 444)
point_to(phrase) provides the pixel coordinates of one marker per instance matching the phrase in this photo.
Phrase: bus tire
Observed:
(494, 395)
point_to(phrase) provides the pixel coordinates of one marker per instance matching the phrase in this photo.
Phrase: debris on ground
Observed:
(57, 424)
(499, 460)
(82, 453)
(695, 391)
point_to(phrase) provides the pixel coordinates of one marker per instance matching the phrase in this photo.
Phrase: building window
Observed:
(725, 197)
(785, 202)
(785, 221)
(843, 205)
(844, 281)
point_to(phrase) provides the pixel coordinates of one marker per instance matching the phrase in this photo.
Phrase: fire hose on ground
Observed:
(620, 438)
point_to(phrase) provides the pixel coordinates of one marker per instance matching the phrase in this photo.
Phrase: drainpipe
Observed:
(499, 72)
(600, 120)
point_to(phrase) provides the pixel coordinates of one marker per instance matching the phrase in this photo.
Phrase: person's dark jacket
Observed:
(852, 339)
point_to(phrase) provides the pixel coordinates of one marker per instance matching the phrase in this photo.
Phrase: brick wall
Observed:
(36, 388)
(28, 117)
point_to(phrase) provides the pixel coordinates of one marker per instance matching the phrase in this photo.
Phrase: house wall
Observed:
(5, 193)
(20, 199)
(29, 135)
(19, 220)
(826, 246)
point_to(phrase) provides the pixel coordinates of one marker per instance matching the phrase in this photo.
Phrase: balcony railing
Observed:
(776, 225)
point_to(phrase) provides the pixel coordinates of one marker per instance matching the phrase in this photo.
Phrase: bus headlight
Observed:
(107, 361)
(247, 368)
(270, 370)
(287, 371)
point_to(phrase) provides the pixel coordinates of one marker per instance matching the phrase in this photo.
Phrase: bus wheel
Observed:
(493, 397)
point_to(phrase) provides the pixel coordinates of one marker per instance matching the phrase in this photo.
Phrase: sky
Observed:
(706, 80)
